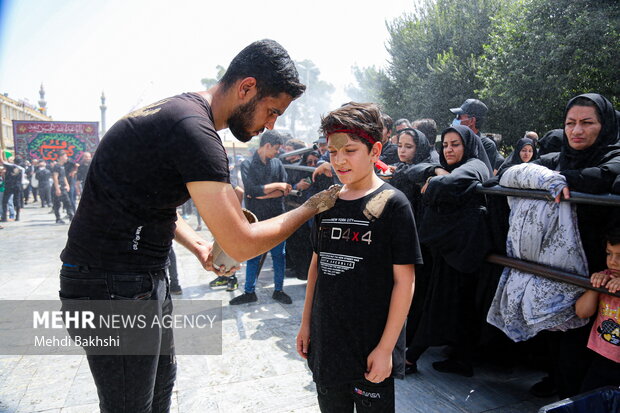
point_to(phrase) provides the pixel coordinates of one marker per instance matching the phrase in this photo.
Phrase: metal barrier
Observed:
(542, 270)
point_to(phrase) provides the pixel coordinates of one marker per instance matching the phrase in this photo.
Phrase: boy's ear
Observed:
(375, 151)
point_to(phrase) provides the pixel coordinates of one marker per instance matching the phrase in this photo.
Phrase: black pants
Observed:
(17, 202)
(367, 397)
(127, 383)
(46, 195)
(172, 270)
(66, 204)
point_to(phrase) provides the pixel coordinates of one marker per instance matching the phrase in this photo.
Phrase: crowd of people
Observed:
(403, 209)
(52, 182)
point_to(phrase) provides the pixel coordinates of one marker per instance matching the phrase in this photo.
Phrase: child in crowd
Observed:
(361, 277)
(605, 335)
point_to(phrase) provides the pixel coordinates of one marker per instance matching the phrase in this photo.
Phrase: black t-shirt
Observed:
(60, 170)
(43, 176)
(126, 217)
(12, 176)
(354, 284)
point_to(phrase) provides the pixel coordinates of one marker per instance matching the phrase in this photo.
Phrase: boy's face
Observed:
(351, 159)
(613, 257)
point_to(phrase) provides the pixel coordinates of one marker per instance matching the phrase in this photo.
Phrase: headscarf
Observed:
(515, 157)
(606, 141)
(473, 148)
(422, 146)
(551, 142)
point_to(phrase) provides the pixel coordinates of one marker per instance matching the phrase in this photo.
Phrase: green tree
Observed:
(541, 53)
(369, 81)
(434, 57)
(208, 82)
(303, 116)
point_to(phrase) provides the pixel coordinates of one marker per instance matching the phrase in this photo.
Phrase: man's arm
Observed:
(186, 236)
(380, 359)
(303, 337)
(219, 208)
(56, 183)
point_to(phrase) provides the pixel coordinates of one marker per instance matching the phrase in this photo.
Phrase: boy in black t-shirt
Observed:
(361, 278)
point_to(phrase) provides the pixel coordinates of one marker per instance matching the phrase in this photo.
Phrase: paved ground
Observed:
(259, 370)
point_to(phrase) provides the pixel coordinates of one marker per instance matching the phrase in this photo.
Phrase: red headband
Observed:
(357, 132)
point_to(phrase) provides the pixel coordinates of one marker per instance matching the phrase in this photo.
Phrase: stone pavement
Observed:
(259, 370)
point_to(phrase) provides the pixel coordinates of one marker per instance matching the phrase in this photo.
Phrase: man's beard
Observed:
(240, 121)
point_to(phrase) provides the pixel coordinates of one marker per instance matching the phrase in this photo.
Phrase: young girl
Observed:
(605, 334)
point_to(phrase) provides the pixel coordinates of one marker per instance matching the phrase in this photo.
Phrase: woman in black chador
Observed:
(590, 161)
(413, 149)
(454, 228)
(524, 152)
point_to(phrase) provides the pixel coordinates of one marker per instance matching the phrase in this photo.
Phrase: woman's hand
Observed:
(565, 192)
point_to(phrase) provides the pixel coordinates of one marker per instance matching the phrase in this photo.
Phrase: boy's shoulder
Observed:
(385, 199)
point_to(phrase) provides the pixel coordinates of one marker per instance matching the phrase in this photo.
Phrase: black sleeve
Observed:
(419, 173)
(314, 234)
(549, 160)
(405, 246)
(450, 189)
(251, 185)
(594, 180)
(197, 151)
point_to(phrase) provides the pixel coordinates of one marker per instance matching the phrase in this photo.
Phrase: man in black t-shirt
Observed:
(13, 177)
(44, 175)
(150, 162)
(60, 188)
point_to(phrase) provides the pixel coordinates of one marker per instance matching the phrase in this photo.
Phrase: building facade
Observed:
(10, 110)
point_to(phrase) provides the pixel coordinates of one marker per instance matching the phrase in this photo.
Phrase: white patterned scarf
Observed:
(546, 233)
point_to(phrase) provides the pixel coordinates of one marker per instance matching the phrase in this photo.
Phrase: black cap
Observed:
(322, 139)
(472, 107)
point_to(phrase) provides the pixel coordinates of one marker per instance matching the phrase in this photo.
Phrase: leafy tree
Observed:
(303, 116)
(541, 53)
(434, 57)
(208, 82)
(368, 87)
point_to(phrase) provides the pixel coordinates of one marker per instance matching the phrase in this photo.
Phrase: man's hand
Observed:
(324, 200)
(204, 253)
(323, 169)
(302, 185)
(303, 340)
(379, 365)
(57, 192)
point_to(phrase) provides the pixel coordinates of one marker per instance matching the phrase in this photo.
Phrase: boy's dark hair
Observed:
(271, 66)
(428, 127)
(388, 123)
(364, 117)
(272, 137)
(613, 236)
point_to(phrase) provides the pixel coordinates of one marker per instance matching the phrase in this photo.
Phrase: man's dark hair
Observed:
(295, 143)
(388, 123)
(365, 117)
(272, 137)
(613, 236)
(271, 66)
(428, 127)
(401, 121)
